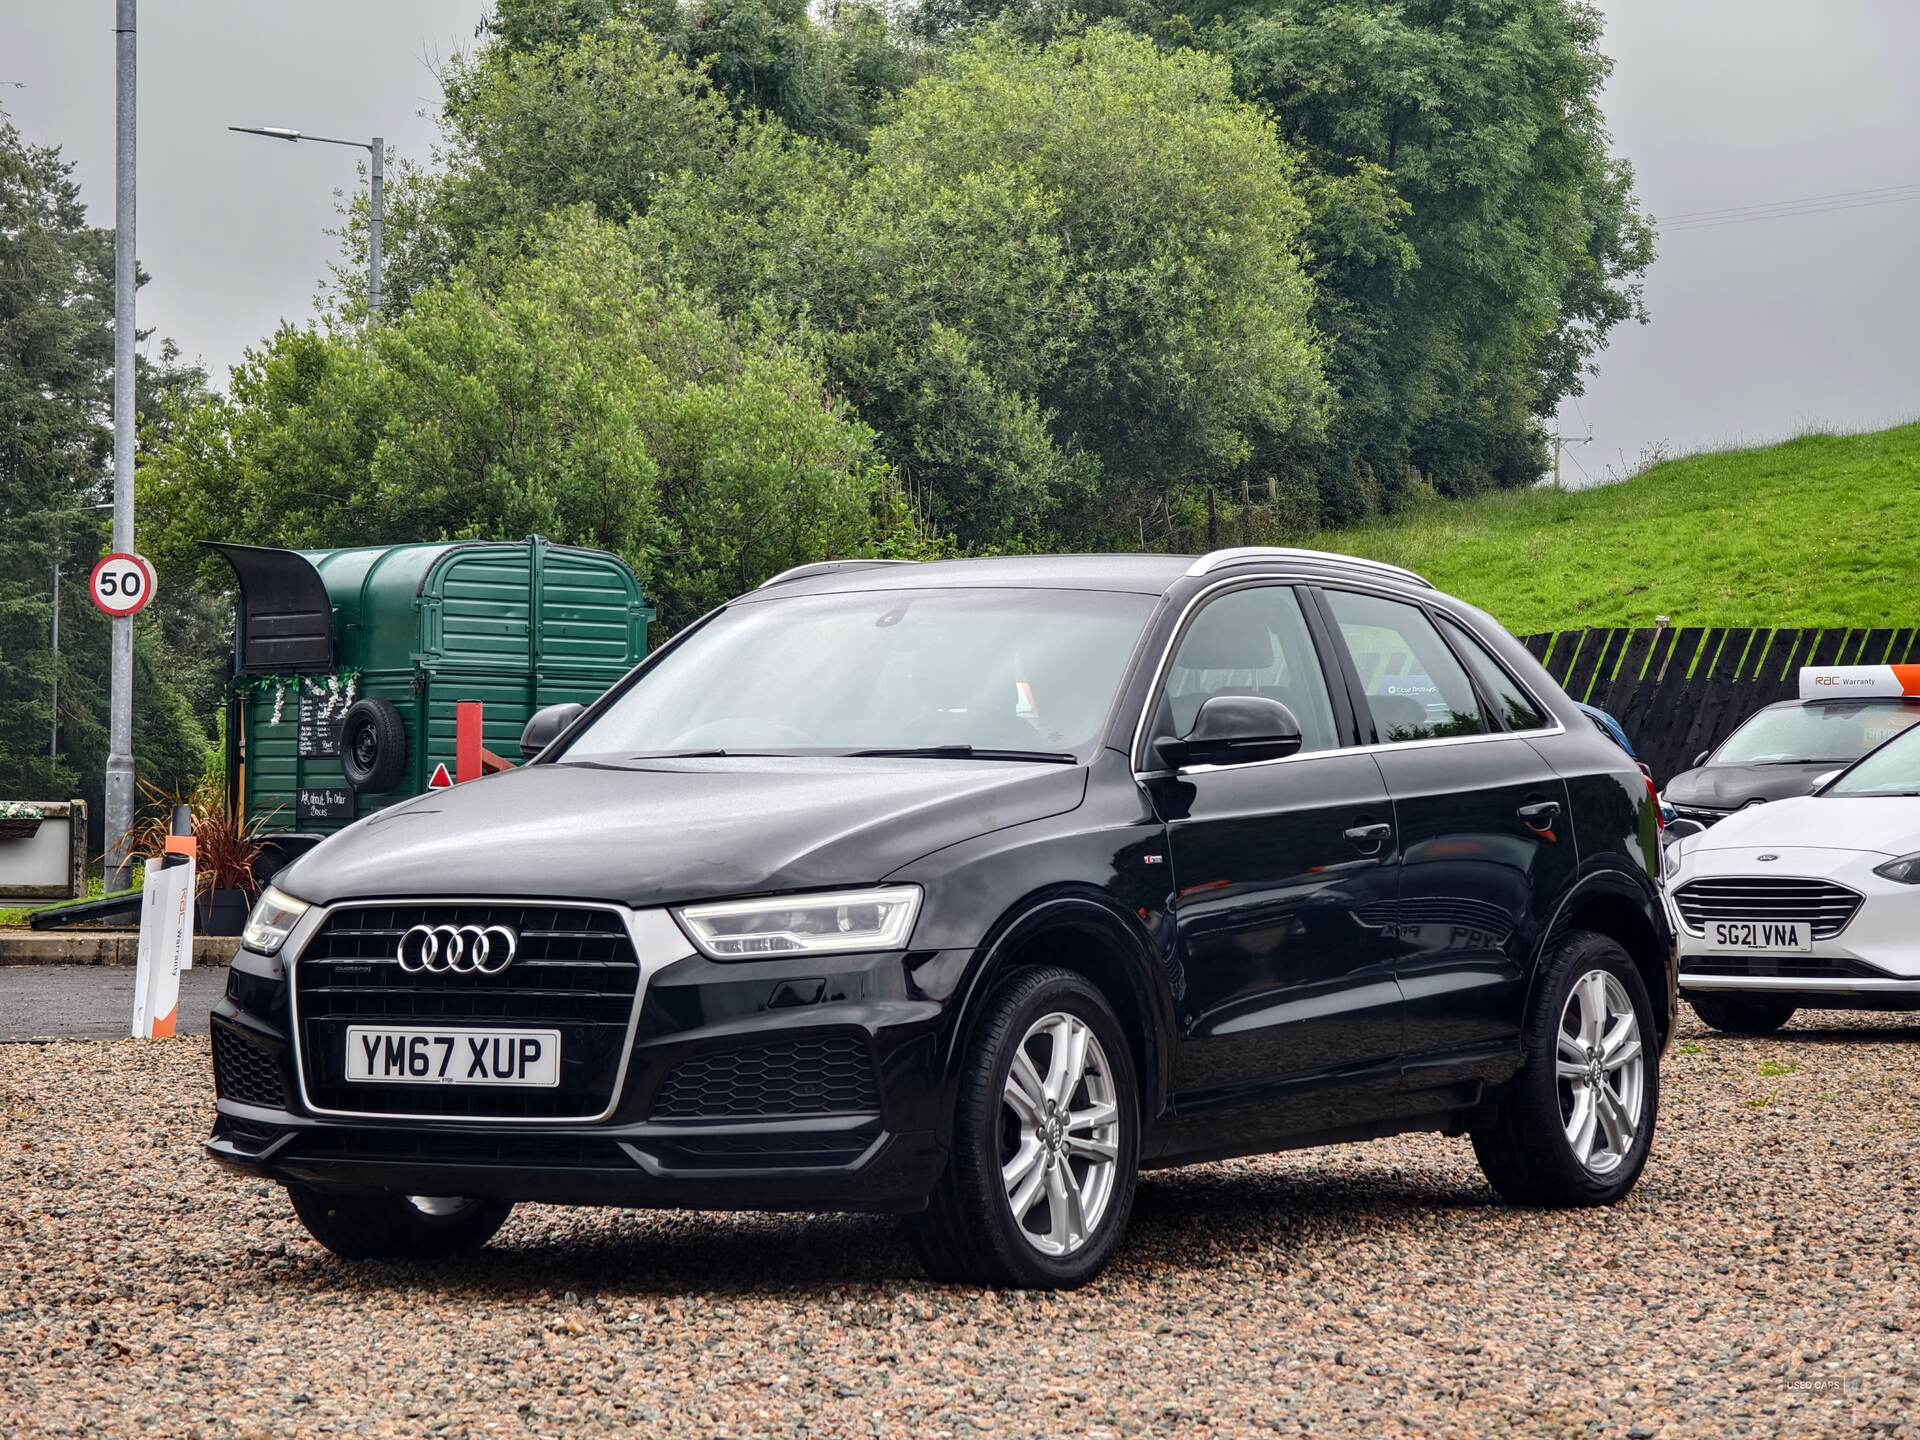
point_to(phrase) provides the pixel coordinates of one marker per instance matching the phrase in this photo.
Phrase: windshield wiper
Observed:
(966, 752)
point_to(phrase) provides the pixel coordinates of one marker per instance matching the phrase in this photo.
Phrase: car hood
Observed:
(1889, 825)
(661, 832)
(1728, 787)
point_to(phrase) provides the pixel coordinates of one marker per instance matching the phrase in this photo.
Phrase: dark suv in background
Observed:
(967, 890)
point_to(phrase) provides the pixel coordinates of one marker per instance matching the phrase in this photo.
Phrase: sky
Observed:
(1759, 330)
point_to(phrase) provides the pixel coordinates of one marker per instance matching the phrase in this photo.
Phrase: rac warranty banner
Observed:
(166, 948)
(1858, 682)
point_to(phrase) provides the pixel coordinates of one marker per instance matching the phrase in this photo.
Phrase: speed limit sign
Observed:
(121, 584)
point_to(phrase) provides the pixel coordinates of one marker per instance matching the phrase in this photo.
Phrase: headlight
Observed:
(273, 918)
(880, 919)
(1906, 869)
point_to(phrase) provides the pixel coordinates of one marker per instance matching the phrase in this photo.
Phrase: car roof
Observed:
(1143, 574)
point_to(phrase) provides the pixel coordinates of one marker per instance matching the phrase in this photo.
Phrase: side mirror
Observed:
(1232, 729)
(1701, 758)
(545, 727)
(1821, 781)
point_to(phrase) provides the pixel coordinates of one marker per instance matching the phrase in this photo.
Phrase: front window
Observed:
(1834, 734)
(1008, 670)
(1893, 769)
(1251, 642)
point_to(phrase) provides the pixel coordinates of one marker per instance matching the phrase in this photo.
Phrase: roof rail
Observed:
(1215, 559)
(826, 567)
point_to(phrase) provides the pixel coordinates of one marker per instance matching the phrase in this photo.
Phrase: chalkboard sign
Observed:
(324, 805)
(318, 736)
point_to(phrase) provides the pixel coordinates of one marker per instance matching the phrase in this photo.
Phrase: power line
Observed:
(1585, 423)
(1786, 214)
(1773, 204)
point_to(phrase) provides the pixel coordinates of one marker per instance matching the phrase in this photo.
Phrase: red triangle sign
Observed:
(441, 780)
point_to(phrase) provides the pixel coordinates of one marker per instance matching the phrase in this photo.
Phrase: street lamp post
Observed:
(376, 175)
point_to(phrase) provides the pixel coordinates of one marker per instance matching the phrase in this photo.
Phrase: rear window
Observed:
(1516, 709)
(1415, 689)
(1830, 734)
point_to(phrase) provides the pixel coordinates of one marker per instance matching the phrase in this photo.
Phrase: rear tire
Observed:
(1072, 1134)
(1537, 1144)
(382, 1225)
(1742, 1014)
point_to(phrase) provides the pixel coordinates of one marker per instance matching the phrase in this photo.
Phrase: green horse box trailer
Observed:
(348, 666)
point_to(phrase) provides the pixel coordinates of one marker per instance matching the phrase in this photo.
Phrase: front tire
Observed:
(382, 1225)
(1742, 1014)
(1575, 1125)
(1046, 1142)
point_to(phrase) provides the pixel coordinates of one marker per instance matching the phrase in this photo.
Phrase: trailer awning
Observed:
(285, 620)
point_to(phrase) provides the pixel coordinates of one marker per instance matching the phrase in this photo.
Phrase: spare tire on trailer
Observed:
(373, 747)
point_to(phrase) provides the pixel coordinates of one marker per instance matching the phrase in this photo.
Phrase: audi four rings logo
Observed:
(457, 949)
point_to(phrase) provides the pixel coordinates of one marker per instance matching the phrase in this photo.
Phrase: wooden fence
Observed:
(1678, 692)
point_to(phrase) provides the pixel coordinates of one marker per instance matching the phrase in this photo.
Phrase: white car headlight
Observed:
(1906, 869)
(878, 919)
(274, 915)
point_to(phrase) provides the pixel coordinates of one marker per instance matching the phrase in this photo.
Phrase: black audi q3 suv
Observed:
(967, 890)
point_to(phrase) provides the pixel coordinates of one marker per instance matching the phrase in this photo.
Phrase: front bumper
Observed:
(884, 1152)
(1872, 962)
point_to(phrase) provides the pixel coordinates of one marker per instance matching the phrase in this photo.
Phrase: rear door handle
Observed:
(1368, 839)
(1540, 815)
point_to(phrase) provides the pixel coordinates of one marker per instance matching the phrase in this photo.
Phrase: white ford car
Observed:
(1812, 901)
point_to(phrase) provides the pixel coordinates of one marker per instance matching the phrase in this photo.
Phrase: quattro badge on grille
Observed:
(457, 949)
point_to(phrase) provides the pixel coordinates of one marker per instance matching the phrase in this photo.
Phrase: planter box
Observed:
(221, 912)
(44, 860)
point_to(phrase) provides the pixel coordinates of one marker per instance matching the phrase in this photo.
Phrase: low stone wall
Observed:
(98, 947)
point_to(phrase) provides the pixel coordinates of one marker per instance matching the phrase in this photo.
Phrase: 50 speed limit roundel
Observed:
(121, 584)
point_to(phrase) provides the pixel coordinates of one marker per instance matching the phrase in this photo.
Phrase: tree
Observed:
(1474, 241)
(56, 359)
(1062, 285)
(569, 396)
(1180, 218)
(822, 73)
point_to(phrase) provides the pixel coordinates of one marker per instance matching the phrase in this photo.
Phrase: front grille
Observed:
(575, 972)
(244, 1072)
(1824, 908)
(1701, 813)
(821, 1076)
(1783, 967)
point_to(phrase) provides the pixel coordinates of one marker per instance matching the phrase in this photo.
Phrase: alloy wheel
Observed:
(1600, 1065)
(1059, 1134)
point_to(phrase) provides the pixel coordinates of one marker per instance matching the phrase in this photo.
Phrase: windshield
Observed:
(1894, 769)
(989, 670)
(1815, 734)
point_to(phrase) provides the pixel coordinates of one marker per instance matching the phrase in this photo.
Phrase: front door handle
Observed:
(1540, 815)
(1368, 839)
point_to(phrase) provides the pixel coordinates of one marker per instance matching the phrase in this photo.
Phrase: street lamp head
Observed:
(277, 132)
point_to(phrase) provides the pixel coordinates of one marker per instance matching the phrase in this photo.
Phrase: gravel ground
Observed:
(1760, 1281)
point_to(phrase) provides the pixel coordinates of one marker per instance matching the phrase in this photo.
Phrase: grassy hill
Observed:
(1822, 531)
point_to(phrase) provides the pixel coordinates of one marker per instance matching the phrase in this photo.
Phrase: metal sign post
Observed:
(119, 785)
